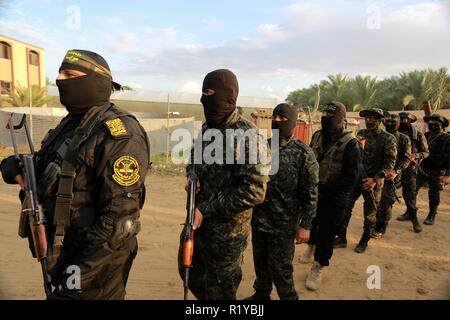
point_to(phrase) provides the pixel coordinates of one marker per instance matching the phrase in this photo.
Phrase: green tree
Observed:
(20, 97)
(364, 92)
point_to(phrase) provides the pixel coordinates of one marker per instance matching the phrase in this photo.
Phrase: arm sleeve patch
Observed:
(126, 171)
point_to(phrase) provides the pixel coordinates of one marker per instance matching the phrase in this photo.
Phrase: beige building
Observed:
(20, 64)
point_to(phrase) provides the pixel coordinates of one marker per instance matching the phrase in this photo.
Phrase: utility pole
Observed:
(168, 130)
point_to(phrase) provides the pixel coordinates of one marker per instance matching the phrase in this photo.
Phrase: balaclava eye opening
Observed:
(286, 128)
(222, 103)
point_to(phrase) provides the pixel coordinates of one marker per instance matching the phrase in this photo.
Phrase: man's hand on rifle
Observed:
(301, 236)
(391, 175)
(369, 184)
(198, 219)
(197, 189)
(446, 180)
(19, 180)
(413, 158)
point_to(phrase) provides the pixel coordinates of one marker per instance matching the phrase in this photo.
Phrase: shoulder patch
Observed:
(116, 127)
(126, 171)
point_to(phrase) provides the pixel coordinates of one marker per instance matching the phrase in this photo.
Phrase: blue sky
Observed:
(272, 46)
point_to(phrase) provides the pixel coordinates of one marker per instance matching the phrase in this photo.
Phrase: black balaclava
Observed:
(222, 103)
(405, 125)
(334, 124)
(435, 126)
(392, 123)
(93, 89)
(286, 128)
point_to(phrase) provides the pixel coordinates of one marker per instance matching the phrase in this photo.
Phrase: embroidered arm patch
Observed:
(126, 171)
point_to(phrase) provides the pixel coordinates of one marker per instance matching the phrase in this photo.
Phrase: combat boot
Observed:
(379, 231)
(430, 218)
(308, 255)
(362, 245)
(416, 225)
(259, 295)
(314, 277)
(341, 240)
(404, 217)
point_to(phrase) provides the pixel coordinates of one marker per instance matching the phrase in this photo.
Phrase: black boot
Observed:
(341, 240)
(259, 295)
(404, 217)
(430, 218)
(362, 245)
(416, 225)
(379, 231)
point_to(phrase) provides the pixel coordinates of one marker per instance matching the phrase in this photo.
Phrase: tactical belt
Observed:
(64, 195)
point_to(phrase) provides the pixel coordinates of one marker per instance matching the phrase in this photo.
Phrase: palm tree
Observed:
(438, 89)
(20, 97)
(335, 88)
(415, 87)
(364, 91)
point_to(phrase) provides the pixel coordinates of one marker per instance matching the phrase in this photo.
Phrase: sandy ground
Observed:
(412, 266)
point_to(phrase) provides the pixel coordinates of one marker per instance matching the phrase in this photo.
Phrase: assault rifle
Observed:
(365, 176)
(394, 189)
(188, 248)
(419, 168)
(31, 211)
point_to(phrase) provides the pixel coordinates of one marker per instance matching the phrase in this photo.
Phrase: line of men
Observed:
(309, 199)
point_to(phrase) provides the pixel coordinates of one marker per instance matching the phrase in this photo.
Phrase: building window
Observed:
(33, 58)
(5, 52)
(5, 87)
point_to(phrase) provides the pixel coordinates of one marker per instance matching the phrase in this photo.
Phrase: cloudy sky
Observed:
(272, 46)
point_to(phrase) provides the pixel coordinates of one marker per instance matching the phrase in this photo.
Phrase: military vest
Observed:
(331, 160)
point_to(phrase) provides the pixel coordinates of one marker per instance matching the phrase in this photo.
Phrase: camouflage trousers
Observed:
(434, 188)
(272, 256)
(388, 198)
(409, 192)
(216, 272)
(370, 208)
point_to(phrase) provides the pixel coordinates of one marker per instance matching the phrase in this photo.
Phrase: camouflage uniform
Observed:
(436, 165)
(380, 152)
(384, 211)
(228, 193)
(290, 203)
(419, 149)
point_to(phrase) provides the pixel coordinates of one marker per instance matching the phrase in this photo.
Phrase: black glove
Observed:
(10, 169)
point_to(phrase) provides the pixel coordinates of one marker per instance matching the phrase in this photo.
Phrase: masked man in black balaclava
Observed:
(227, 191)
(436, 168)
(389, 193)
(340, 158)
(92, 210)
(287, 212)
(379, 157)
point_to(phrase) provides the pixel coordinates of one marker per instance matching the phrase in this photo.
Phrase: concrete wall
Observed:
(44, 119)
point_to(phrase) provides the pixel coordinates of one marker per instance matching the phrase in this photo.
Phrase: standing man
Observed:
(287, 212)
(419, 151)
(437, 165)
(392, 180)
(339, 154)
(92, 213)
(227, 192)
(380, 152)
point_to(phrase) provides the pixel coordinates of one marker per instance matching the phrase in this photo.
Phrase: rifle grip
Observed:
(188, 251)
(40, 241)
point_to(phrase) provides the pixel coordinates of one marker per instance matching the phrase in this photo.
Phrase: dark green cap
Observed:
(408, 115)
(372, 112)
(437, 117)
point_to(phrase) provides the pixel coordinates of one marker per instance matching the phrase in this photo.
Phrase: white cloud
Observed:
(267, 88)
(167, 32)
(191, 87)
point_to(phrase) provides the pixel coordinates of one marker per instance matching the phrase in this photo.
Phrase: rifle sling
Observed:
(64, 195)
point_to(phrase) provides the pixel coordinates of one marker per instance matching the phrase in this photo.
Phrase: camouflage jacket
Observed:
(228, 192)
(419, 144)
(403, 151)
(380, 152)
(291, 199)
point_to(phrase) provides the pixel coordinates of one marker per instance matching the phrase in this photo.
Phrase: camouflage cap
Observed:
(437, 117)
(408, 115)
(372, 112)
(391, 116)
